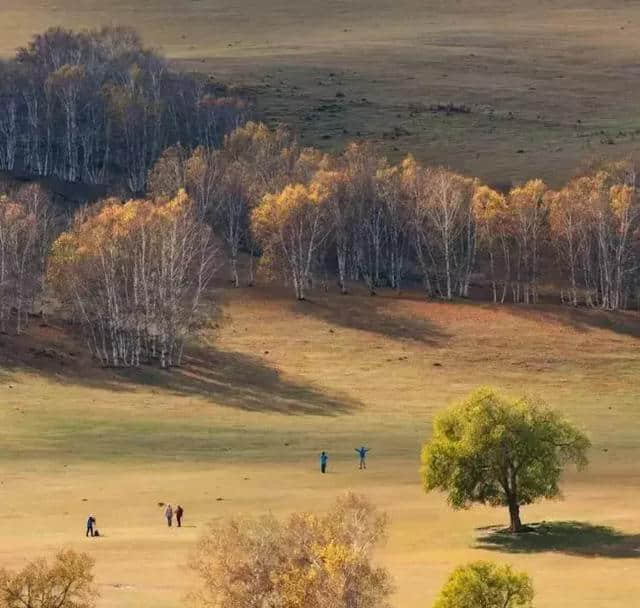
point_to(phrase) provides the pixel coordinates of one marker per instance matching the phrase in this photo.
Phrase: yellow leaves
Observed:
(527, 198)
(111, 224)
(490, 210)
(621, 197)
(307, 561)
(295, 203)
(336, 557)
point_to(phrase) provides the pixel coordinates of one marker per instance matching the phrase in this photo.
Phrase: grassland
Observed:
(270, 384)
(548, 84)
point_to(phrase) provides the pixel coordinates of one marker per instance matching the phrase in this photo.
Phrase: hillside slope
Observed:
(546, 84)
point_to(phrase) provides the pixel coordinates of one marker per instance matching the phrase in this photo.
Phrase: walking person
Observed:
(168, 513)
(362, 452)
(179, 512)
(324, 459)
(91, 522)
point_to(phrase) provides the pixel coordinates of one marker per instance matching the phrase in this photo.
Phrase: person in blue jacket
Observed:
(324, 458)
(362, 452)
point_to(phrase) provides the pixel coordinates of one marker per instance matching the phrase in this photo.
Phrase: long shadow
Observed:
(226, 378)
(571, 537)
(240, 381)
(371, 314)
(581, 319)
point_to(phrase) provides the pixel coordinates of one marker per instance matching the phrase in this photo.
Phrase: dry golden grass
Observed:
(548, 83)
(276, 382)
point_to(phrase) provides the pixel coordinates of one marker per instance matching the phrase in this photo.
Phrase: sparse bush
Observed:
(67, 582)
(308, 561)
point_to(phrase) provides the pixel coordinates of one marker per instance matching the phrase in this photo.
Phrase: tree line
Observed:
(134, 273)
(98, 107)
(358, 217)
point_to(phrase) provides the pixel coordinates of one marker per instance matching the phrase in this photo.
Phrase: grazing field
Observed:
(271, 383)
(536, 87)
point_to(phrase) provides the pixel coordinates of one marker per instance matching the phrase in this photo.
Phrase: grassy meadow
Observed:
(547, 84)
(270, 384)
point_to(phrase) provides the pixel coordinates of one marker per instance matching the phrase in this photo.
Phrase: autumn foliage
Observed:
(307, 561)
(134, 274)
(66, 582)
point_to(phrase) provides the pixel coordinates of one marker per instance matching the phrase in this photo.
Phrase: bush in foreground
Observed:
(487, 585)
(67, 582)
(308, 561)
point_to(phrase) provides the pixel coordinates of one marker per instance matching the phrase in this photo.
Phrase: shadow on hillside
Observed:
(228, 379)
(625, 323)
(370, 314)
(240, 381)
(570, 537)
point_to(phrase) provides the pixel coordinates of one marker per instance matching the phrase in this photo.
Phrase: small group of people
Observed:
(361, 451)
(169, 513)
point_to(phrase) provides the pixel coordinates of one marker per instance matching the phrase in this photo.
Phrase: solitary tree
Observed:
(308, 561)
(67, 582)
(487, 585)
(493, 450)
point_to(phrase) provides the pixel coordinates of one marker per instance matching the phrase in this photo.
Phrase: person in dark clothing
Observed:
(362, 452)
(324, 458)
(179, 512)
(91, 522)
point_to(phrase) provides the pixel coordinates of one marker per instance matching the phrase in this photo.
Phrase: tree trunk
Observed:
(514, 516)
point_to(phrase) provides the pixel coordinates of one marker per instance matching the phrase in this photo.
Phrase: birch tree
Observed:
(291, 226)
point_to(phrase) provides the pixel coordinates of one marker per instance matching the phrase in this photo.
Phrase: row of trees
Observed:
(356, 215)
(96, 106)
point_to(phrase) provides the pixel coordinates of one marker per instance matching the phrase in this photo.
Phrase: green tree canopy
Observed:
(494, 450)
(488, 585)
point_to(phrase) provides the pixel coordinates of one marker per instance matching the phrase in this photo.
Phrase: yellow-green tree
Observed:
(487, 585)
(308, 561)
(67, 582)
(494, 450)
(291, 227)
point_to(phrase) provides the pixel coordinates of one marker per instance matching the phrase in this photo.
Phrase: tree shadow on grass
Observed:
(625, 323)
(571, 537)
(372, 314)
(226, 378)
(240, 381)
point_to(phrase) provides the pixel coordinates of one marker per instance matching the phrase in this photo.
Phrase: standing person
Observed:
(324, 458)
(91, 522)
(362, 452)
(168, 513)
(179, 512)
